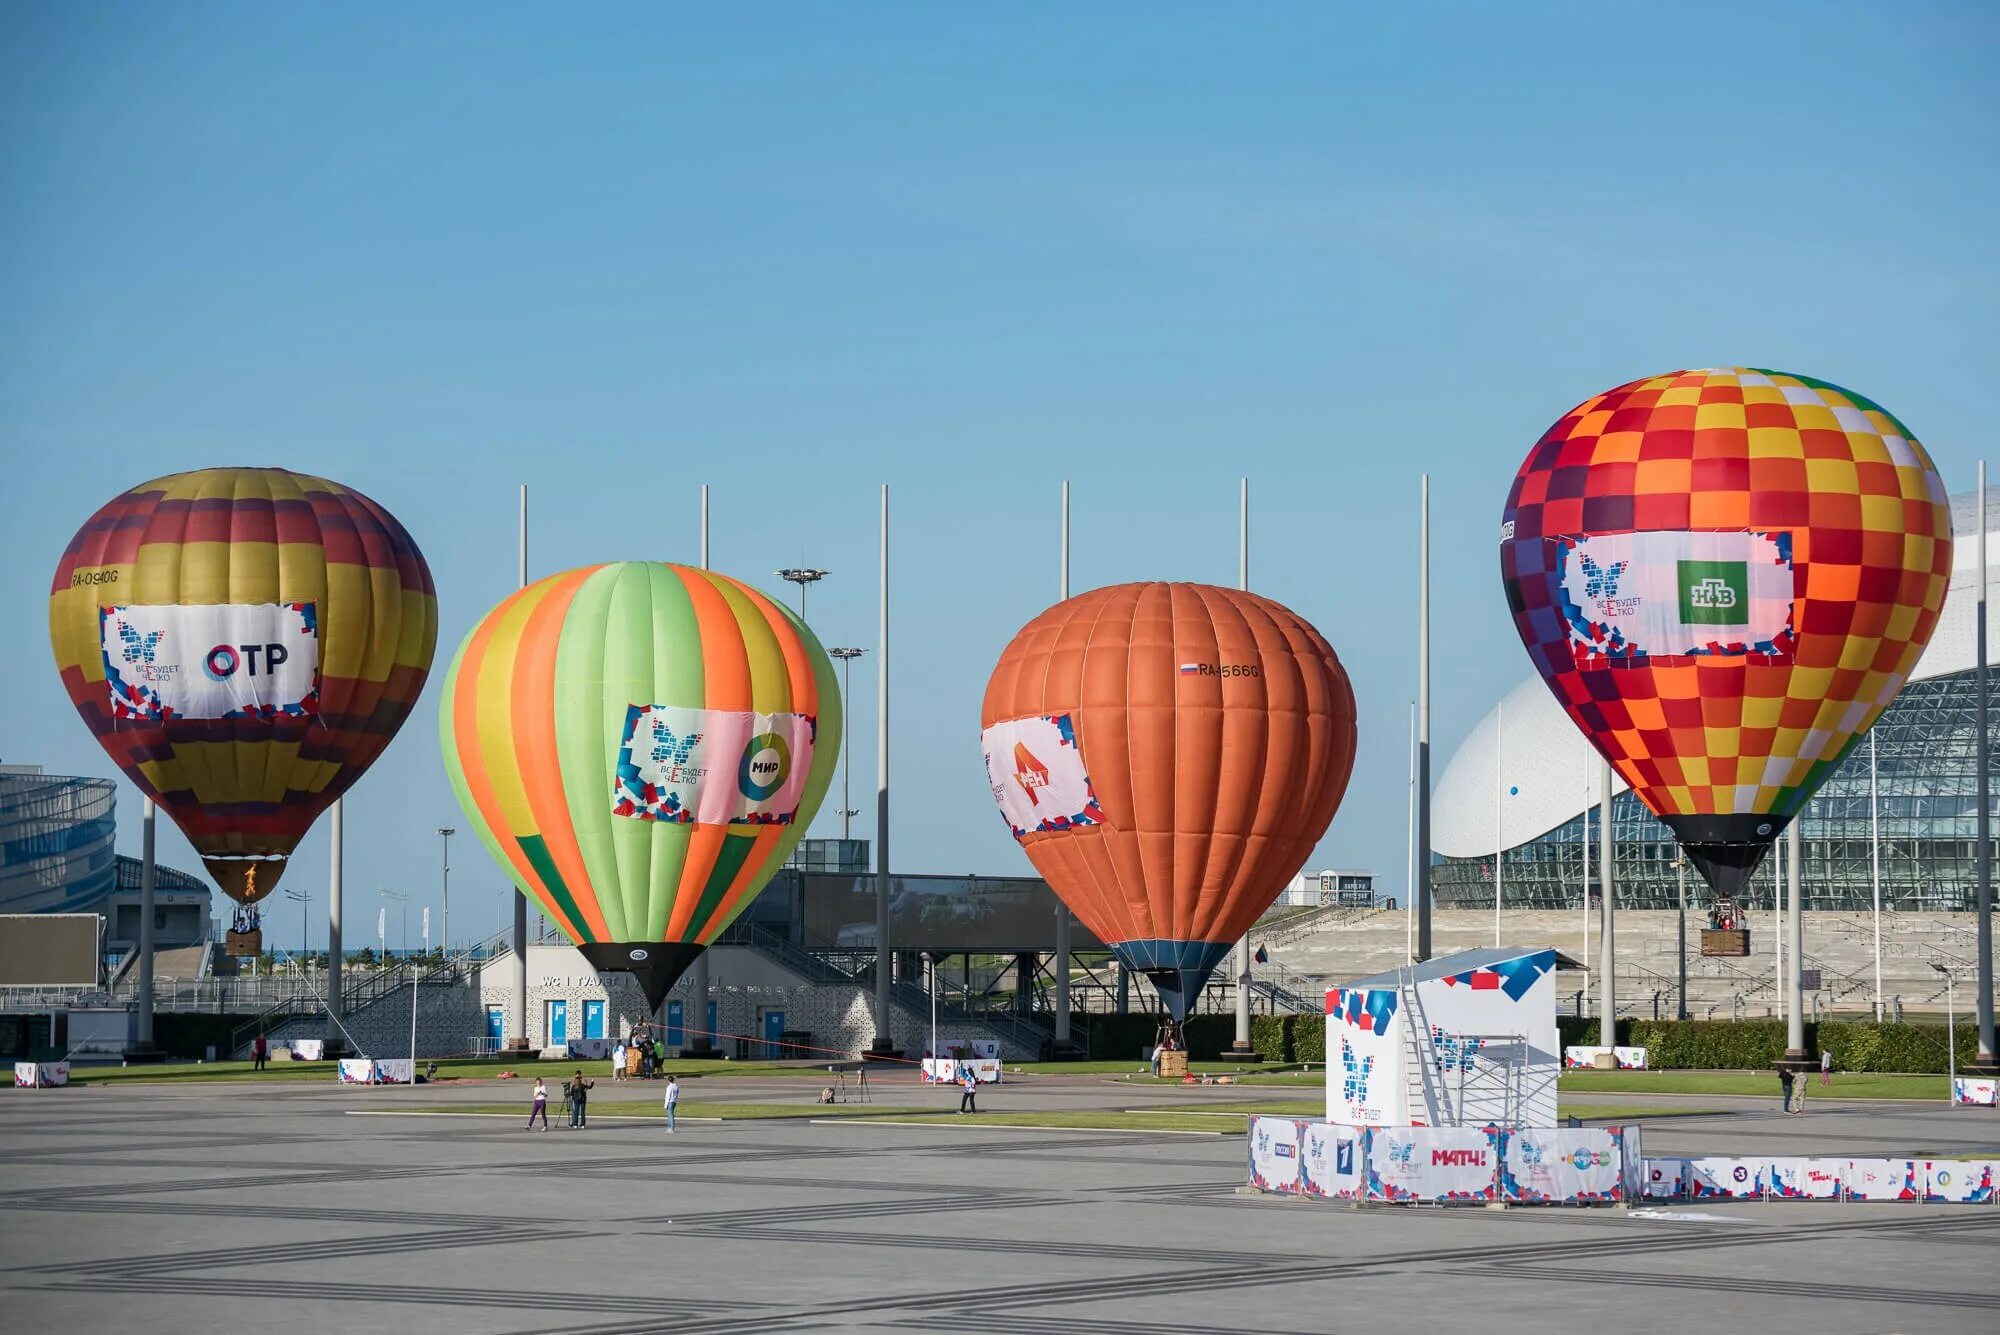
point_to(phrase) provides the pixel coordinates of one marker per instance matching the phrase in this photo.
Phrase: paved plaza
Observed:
(233, 1208)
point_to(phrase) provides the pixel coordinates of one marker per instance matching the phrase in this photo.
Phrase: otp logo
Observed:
(224, 660)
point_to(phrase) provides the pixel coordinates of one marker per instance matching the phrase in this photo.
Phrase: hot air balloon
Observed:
(1725, 576)
(244, 642)
(1168, 755)
(640, 745)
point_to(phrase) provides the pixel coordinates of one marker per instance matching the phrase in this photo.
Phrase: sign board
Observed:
(945, 1070)
(1580, 1058)
(308, 1049)
(1430, 1164)
(40, 1075)
(1570, 1166)
(1975, 1093)
(50, 949)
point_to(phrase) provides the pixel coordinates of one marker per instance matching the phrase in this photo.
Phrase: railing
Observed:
(305, 998)
(1317, 921)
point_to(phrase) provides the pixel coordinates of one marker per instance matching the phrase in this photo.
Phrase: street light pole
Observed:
(303, 898)
(802, 576)
(848, 811)
(445, 833)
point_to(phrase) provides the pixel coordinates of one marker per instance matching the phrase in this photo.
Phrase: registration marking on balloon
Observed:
(1631, 596)
(711, 766)
(225, 660)
(1036, 772)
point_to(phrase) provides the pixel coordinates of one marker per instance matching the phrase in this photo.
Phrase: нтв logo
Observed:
(1714, 593)
(766, 761)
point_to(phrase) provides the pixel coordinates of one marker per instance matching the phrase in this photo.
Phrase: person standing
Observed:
(1825, 1067)
(618, 1062)
(579, 1098)
(673, 1101)
(967, 1101)
(261, 1050)
(540, 1107)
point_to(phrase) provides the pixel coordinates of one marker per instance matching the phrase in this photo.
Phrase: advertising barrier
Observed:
(1975, 1093)
(1804, 1179)
(1584, 1058)
(40, 1075)
(1665, 1179)
(1294, 1158)
(373, 1071)
(308, 1049)
(1414, 1163)
(944, 1071)
(590, 1049)
(1571, 1167)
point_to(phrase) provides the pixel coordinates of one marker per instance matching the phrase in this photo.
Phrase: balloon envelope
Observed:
(640, 745)
(1168, 755)
(243, 642)
(1725, 576)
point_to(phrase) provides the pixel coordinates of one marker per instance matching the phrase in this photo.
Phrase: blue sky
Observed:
(798, 251)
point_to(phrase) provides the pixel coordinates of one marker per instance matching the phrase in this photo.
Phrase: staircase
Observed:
(1424, 1098)
(304, 999)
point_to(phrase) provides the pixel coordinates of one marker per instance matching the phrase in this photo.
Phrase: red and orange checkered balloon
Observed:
(1725, 576)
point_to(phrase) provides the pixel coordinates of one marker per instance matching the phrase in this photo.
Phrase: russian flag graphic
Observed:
(1190, 669)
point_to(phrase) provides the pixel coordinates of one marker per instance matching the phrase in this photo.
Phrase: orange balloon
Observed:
(1168, 755)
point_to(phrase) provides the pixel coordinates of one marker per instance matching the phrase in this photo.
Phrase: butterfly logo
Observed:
(1449, 1052)
(1354, 1086)
(1599, 582)
(1404, 1154)
(139, 648)
(670, 750)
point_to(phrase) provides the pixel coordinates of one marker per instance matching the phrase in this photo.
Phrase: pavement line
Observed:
(602, 1117)
(996, 1126)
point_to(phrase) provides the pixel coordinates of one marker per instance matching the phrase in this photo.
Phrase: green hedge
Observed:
(1700, 1045)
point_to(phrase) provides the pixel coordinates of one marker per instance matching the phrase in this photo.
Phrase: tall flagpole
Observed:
(141, 1043)
(1795, 996)
(1063, 1043)
(1410, 883)
(884, 1044)
(1875, 864)
(1588, 804)
(1985, 1065)
(1607, 944)
(696, 1032)
(1424, 721)
(1242, 1044)
(336, 834)
(1499, 808)
(517, 1033)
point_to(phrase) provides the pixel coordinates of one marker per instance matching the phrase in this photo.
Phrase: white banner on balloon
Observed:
(1430, 1164)
(1035, 770)
(220, 660)
(711, 766)
(1676, 594)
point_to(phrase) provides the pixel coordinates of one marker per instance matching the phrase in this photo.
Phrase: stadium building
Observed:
(57, 855)
(1525, 781)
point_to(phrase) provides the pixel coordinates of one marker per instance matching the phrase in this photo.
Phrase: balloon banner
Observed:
(218, 661)
(1037, 777)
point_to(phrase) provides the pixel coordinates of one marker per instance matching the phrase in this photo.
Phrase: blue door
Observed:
(496, 1025)
(710, 1035)
(558, 1023)
(593, 1019)
(676, 1025)
(774, 1035)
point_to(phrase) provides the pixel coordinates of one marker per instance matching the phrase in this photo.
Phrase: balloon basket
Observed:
(1173, 1065)
(244, 944)
(1725, 943)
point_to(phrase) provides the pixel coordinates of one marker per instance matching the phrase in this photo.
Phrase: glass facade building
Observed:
(1926, 779)
(56, 841)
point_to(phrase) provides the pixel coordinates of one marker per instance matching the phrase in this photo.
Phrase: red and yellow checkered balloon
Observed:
(1725, 576)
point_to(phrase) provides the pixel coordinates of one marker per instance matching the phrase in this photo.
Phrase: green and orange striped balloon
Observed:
(640, 745)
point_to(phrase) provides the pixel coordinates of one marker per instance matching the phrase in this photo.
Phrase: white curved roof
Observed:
(1527, 748)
